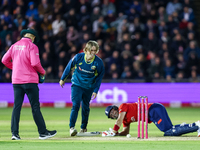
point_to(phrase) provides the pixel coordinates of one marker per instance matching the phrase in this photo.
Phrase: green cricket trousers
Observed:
(32, 92)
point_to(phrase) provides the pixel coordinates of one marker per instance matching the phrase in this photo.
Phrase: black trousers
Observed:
(32, 92)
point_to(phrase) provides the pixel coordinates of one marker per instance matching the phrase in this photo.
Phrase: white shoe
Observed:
(198, 133)
(83, 130)
(198, 124)
(73, 131)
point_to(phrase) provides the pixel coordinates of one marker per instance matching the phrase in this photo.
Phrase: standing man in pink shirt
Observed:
(23, 58)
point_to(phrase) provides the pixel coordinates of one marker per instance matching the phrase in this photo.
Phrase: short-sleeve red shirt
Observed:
(131, 112)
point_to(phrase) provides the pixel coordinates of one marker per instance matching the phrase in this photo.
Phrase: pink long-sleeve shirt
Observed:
(23, 58)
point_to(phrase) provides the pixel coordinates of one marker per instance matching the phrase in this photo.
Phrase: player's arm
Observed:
(7, 60)
(67, 70)
(100, 73)
(125, 131)
(35, 60)
(119, 122)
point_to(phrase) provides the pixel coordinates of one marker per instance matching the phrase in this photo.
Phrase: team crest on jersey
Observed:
(133, 119)
(80, 63)
(93, 67)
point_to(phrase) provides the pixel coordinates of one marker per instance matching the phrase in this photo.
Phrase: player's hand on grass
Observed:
(94, 95)
(62, 83)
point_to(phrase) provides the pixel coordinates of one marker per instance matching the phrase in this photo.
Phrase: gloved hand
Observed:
(62, 83)
(94, 95)
(108, 133)
(41, 78)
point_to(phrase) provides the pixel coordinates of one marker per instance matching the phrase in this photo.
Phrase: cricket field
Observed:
(58, 119)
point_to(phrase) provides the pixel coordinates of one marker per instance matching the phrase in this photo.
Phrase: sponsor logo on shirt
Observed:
(19, 47)
(37, 54)
(85, 70)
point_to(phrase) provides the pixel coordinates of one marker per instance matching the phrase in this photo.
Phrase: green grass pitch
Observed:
(58, 119)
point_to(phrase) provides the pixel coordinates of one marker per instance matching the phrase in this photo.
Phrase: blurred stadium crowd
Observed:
(139, 39)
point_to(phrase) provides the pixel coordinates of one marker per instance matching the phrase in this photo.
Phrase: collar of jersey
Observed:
(90, 61)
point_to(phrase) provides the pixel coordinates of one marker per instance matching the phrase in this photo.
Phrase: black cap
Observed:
(31, 31)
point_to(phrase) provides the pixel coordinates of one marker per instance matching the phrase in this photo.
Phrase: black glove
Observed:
(41, 78)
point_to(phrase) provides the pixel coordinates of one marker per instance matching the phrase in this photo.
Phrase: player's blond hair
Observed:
(89, 46)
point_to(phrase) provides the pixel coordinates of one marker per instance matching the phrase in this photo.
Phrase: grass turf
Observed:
(58, 118)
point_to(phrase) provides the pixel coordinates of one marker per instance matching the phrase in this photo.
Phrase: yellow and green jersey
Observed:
(86, 74)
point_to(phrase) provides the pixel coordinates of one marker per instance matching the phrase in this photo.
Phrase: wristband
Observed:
(116, 128)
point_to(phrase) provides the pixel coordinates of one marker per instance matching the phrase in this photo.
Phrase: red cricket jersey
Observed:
(131, 112)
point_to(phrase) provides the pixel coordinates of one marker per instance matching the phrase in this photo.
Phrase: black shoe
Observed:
(15, 137)
(47, 134)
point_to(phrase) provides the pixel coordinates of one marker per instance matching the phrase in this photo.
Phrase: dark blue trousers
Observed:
(80, 96)
(32, 91)
(159, 116)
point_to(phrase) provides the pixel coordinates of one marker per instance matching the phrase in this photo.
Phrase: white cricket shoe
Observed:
(73, 131)
(198, 124)
(83, 130)
(198, 133)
